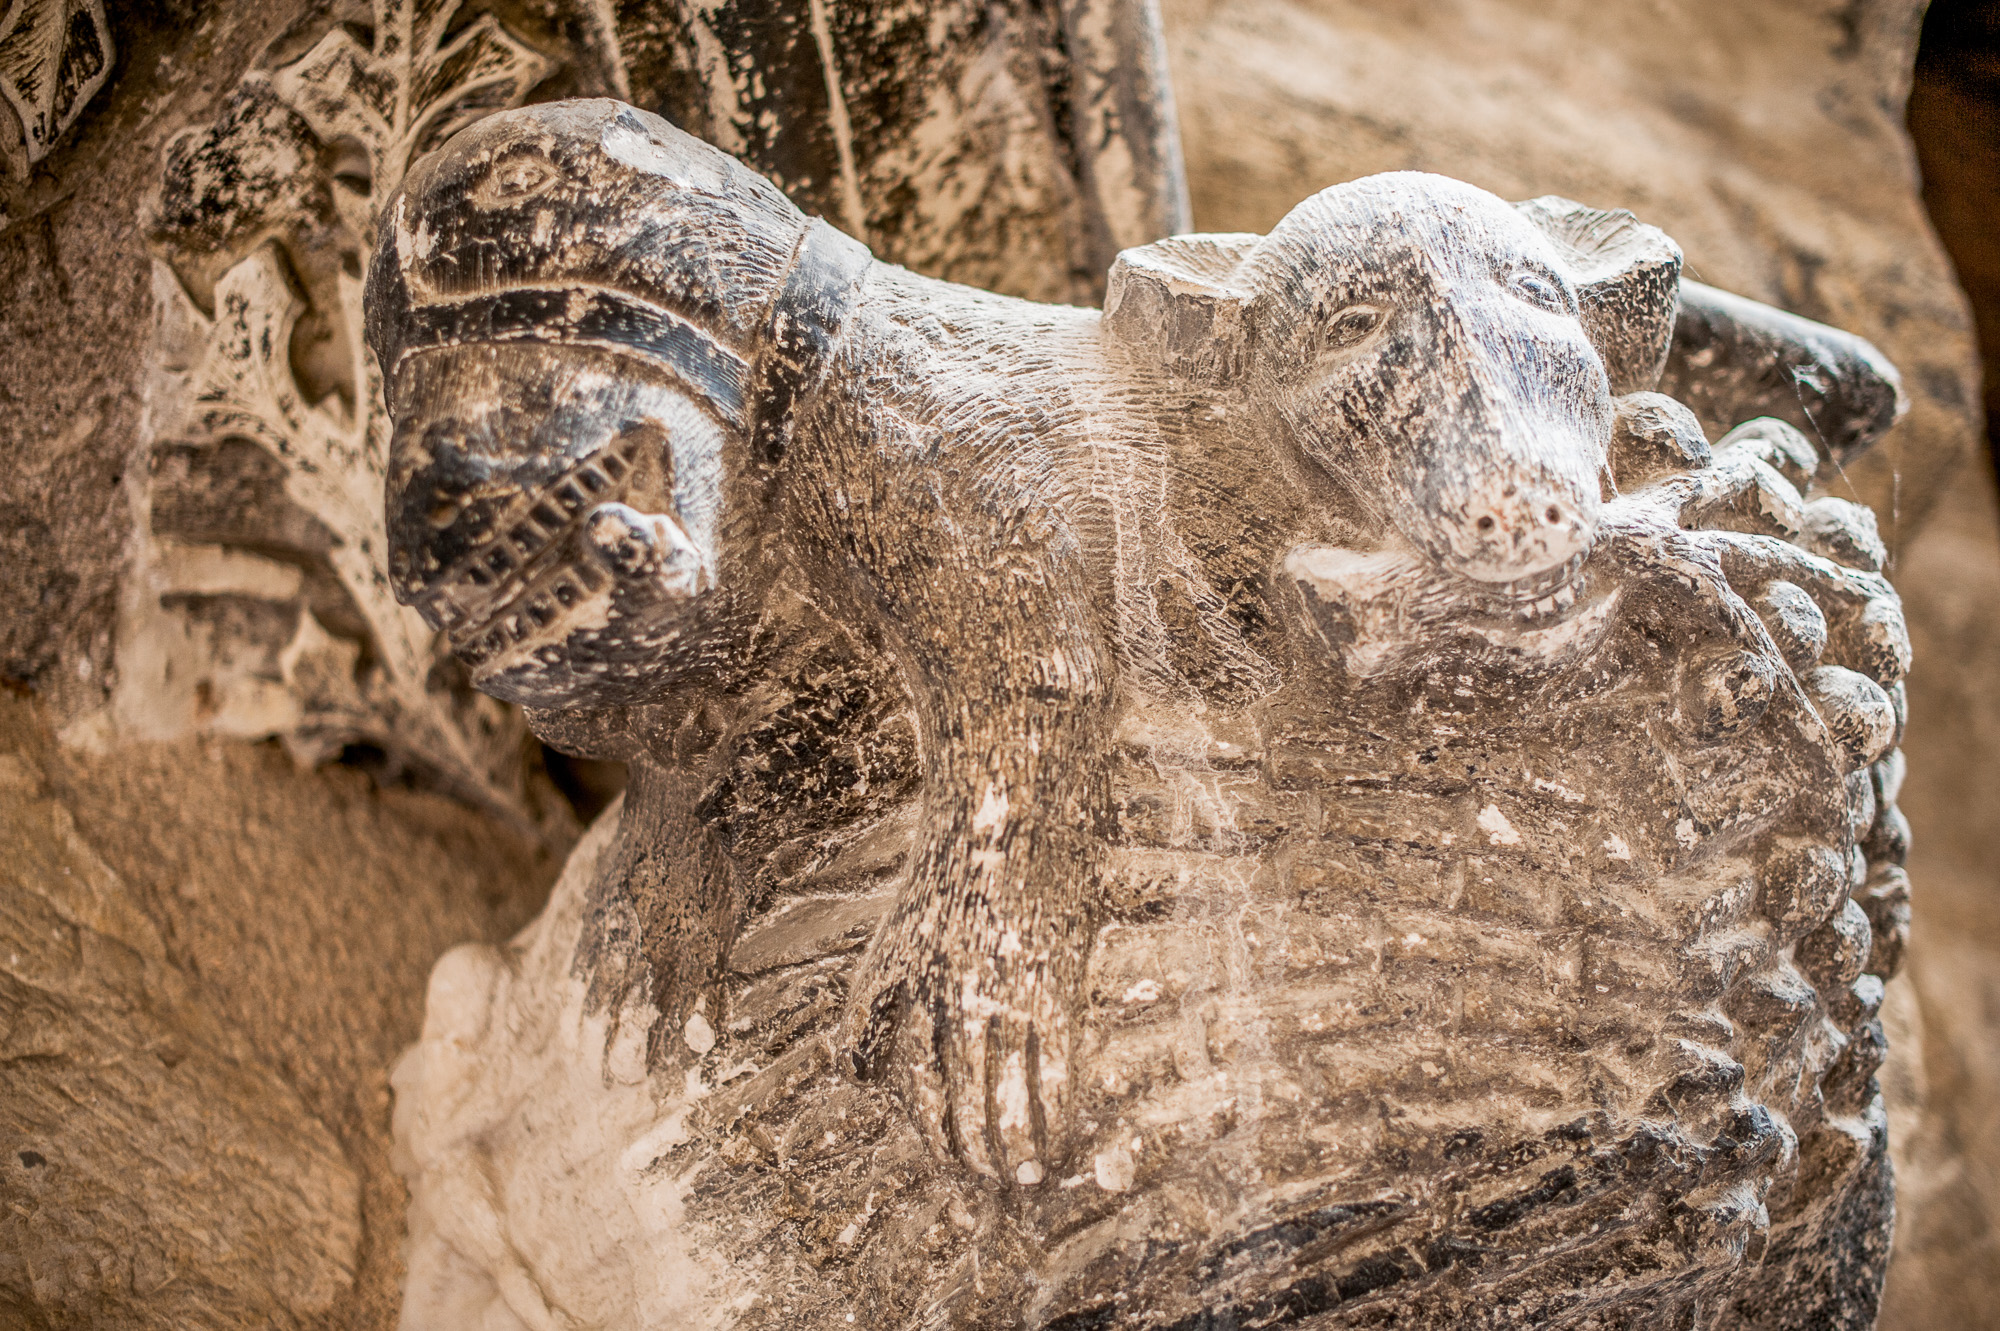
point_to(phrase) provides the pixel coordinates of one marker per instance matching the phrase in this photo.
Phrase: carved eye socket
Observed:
(1539, 290)
(512, 180)
(1353, 324)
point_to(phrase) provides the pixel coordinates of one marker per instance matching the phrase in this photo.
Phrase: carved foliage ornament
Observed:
(254, 609)
(1311, 796)
(258, 605)
(54, 57)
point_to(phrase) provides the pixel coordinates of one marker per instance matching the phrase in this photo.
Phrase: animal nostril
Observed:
(1486, 524)
(1554, 514)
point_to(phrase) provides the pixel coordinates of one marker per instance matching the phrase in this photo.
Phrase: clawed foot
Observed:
(1808, 570)
(1811, 569)
(979, 1043)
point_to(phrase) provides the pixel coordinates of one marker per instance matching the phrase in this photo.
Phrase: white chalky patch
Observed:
(1114, 1169)
(1615, 847)
(1012, 1093)
(670, 1133)
(625, 1059)
(992, 812)
(696, 171)
(700, 1036)
(1498, 830)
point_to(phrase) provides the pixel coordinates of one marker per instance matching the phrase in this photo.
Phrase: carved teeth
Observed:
(1567, 594)
(1547, 593)
(521, 572)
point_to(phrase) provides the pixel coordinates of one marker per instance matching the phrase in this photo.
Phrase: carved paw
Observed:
(980, 1044)
(1810, 569)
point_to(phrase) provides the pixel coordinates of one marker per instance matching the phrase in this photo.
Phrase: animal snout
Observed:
(1516, 531)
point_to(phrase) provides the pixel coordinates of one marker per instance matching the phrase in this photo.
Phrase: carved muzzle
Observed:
(1518, 532)
(519, 494)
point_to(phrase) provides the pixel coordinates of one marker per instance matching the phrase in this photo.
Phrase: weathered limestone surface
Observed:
(1944, 1087)
(212, 953)
(1285, 801)
(185, 552)
(308, 989)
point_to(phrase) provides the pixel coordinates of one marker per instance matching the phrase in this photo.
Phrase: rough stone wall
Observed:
(1951, 1169)
(210, 959)
(211, 953)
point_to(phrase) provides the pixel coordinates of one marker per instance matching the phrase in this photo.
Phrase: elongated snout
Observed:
(1511, 529)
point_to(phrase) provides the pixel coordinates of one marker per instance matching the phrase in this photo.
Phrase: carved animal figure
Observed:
(638, 396)
(1334, 636)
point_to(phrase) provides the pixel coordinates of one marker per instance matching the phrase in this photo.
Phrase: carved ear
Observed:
(1628, 278)
(1175, 303)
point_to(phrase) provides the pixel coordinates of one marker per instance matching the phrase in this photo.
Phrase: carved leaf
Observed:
(412, 90)
(263, 654)
(54, 56)
(243, 387)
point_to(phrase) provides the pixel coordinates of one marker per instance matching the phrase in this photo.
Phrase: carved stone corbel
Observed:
(1312, 796)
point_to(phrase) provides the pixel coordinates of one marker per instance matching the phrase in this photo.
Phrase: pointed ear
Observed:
(1628, 279)
(1174, 303)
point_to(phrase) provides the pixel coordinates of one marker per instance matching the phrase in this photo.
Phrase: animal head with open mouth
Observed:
(592, 329)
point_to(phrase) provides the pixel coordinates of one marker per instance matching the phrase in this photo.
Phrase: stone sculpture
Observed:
(1312, 797)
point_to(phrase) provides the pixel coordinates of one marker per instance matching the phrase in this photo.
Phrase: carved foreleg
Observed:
(663, 911)
(979, 969)
(971, 988)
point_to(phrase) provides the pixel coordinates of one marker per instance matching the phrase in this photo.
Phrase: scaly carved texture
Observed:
(259, 605)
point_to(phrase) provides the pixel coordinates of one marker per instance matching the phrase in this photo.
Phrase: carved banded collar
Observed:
(803, 329)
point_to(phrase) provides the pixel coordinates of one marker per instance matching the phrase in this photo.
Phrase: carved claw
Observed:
(1002, 1077)
(1808, 570)
(1781, 552)
(1865, 628)
(982, 1047)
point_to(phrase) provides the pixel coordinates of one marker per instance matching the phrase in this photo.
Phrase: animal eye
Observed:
(1351, 325)
(513, 180)
(1540, 291)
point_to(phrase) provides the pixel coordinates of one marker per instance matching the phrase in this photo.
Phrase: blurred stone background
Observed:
(229, 937)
